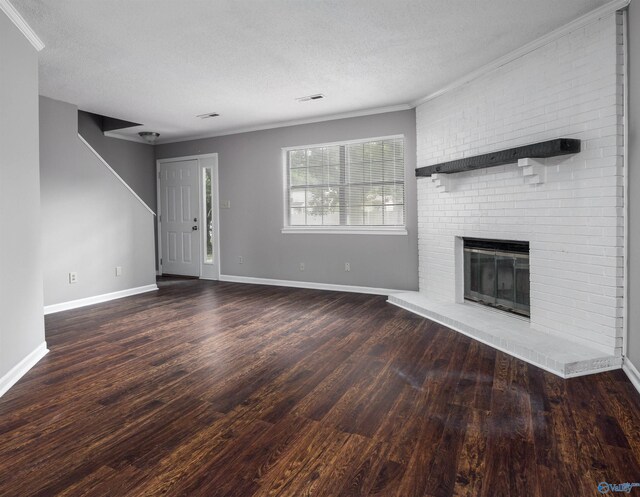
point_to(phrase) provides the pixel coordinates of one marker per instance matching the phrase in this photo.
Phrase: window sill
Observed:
(344, 231)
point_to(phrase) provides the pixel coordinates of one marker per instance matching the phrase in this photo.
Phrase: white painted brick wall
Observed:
(572, 88)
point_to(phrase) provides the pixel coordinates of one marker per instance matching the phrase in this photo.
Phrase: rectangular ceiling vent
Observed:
(207, 116)
(317, 96)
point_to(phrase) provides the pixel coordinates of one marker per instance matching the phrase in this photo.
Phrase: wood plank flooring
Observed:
(219, 389)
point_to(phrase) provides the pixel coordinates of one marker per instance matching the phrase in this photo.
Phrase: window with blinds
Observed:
(351, 185)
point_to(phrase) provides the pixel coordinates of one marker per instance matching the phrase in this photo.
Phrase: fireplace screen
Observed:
(496, 274)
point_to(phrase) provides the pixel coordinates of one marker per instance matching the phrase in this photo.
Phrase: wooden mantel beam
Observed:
(541, 150)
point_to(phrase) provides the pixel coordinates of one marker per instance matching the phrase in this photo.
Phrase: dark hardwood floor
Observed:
(218, 389)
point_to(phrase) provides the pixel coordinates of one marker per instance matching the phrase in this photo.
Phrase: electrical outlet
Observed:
(73, 277)
(118, 270)
(347, 266)
(240, 259)
(302, 266)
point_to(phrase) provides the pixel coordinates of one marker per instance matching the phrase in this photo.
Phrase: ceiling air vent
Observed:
(317, 96)
(207, 116)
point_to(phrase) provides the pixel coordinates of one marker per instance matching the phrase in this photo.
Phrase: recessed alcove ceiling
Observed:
(163, 63)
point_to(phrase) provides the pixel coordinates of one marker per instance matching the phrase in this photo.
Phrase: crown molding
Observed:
(584, 20)
(295, 122)
(21, 24)
(588, 18)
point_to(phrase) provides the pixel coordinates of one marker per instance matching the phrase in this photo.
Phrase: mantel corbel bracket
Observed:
(533, 170)
(441, 181)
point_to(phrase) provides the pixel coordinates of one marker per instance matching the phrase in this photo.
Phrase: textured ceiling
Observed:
(163, 62)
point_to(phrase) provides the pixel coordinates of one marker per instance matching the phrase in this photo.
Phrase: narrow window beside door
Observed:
(207, 180)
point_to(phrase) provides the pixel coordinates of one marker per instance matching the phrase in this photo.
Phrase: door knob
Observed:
(194, 228)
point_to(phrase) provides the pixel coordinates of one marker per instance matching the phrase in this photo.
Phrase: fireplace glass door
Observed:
(496, 274)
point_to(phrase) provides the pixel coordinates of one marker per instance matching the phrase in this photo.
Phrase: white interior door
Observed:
(179, 211)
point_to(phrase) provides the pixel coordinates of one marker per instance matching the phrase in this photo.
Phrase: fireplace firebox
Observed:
(496, 274)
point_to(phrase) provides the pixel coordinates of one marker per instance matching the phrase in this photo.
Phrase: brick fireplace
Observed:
(568, 209)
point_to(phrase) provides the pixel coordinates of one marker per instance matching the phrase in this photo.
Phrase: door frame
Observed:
(215, 190)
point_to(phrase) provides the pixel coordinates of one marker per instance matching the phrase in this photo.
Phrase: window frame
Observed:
(206, 232)
(333, 230)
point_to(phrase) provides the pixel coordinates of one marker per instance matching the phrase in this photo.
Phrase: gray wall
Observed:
(251, 178)
(91, 222)
(633, 346)
(21, 320)
(134, 162)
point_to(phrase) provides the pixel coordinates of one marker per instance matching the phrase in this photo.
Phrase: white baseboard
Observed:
(97, 299)
(20, 369)
(632, 372)
(307, 284)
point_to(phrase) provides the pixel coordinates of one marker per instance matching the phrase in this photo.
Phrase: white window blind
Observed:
(354, 185)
